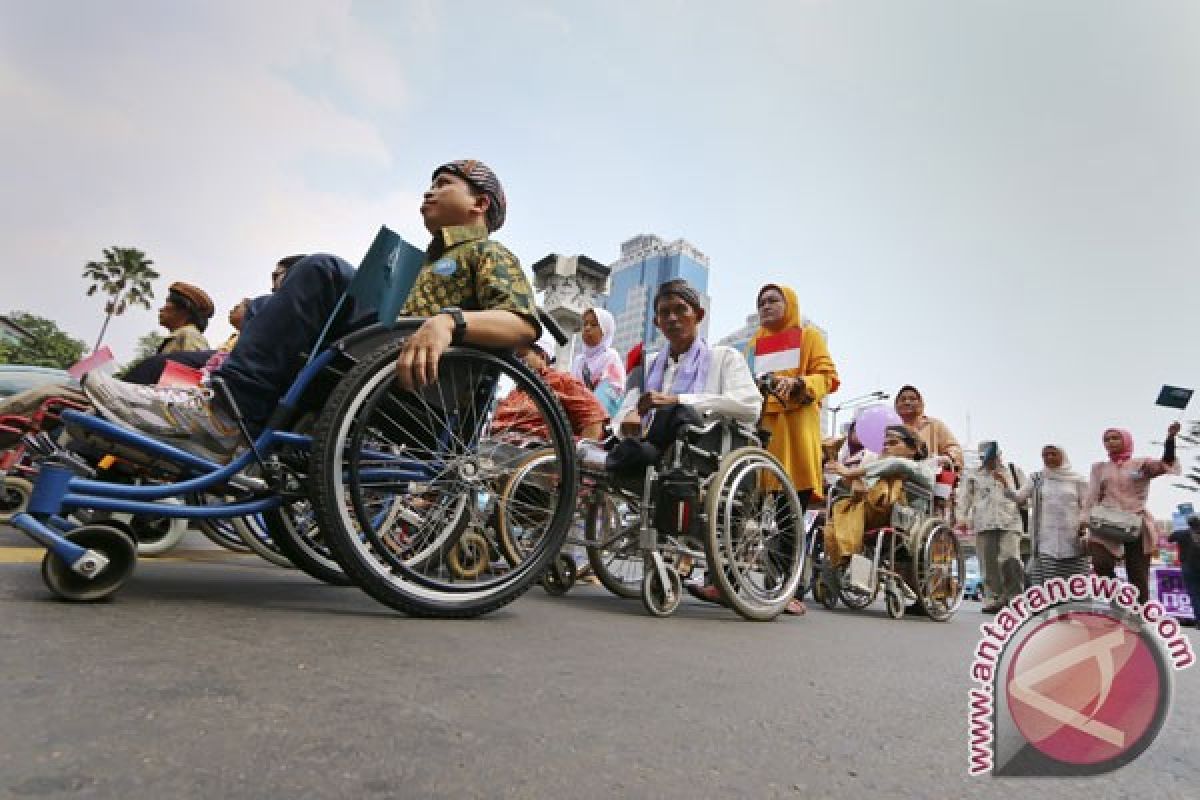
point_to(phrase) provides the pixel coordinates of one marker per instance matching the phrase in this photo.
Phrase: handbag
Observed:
(1117, 526)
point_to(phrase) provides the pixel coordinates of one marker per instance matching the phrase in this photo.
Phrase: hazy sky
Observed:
(996, 201)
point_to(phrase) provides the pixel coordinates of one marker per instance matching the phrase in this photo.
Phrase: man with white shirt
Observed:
(688, 371)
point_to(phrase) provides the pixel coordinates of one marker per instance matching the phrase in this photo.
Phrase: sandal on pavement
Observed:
(795, 608)
(707, 592)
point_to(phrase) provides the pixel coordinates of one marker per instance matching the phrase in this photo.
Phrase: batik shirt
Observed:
(464, 268)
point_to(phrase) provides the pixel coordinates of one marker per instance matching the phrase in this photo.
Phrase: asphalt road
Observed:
(224, 679)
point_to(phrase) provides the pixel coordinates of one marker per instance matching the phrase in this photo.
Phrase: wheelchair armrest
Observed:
(700, 430)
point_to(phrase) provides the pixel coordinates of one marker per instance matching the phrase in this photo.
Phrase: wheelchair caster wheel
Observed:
(895, 605)
(111, 543)
(560, 576)
(469, 557)
(654, 596)
(14, 497)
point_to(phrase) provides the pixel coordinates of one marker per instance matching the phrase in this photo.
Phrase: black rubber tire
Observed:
(323, 566)
(940, 611)
(394, 591)
(109, 540)
(559, 576)
(14, 498)
(253, 532)
(748, 607)
(631, 589)
(509, 547)
(653, 596)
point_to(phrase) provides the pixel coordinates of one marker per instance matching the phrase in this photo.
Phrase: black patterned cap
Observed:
(480, 175)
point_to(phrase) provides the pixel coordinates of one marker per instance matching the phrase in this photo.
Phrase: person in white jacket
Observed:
(710, 379)
(987, 505)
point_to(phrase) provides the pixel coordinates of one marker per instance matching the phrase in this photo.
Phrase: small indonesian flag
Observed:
(777, 352)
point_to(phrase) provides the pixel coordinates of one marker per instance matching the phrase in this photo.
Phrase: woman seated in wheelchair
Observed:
(875, 488)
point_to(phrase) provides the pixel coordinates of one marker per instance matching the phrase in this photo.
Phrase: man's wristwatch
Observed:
(460, 324)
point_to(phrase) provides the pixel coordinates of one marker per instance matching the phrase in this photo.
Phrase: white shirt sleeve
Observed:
(730, 389)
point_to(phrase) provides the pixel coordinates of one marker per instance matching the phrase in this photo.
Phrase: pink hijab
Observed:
(1126, 451)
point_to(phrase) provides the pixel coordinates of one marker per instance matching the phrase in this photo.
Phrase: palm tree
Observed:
(124, 276)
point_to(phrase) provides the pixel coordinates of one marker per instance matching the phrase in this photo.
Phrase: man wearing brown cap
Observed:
(185, 315)
(471, 288)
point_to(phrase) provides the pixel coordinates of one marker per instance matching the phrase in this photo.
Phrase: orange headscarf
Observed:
(791, 314)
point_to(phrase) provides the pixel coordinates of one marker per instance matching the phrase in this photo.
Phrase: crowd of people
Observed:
(472, 289)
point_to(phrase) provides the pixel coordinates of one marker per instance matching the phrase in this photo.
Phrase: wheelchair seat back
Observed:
(703, 446)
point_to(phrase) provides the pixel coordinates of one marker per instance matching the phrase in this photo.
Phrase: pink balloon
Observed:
(871, 424)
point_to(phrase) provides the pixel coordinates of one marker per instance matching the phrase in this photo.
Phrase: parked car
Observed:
(973, 582)
(16, 378)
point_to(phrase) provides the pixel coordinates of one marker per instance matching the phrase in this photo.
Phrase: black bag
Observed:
(675, 505)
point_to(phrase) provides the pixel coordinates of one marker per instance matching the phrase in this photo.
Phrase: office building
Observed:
(646, 262)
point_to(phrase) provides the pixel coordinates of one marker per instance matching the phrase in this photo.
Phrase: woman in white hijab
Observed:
(599, 366)
(1055, 498)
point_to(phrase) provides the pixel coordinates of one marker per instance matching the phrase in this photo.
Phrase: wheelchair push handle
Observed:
(549, 323)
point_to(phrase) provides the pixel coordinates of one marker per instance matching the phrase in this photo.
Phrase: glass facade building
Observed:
(646, 262)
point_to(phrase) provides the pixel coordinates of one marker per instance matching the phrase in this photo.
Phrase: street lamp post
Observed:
(855, 402)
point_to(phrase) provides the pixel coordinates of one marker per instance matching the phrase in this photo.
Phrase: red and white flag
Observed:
(777, 352)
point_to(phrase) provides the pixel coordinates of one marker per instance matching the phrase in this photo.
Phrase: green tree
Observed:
(48, 346)
(147, 346)
(124, 277)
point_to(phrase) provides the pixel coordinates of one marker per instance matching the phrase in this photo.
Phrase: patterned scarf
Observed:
(692, 375)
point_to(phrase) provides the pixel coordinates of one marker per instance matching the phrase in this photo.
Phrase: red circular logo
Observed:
(1083, 688)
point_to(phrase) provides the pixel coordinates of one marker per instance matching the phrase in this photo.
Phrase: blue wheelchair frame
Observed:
(383, 281)
(58, 489)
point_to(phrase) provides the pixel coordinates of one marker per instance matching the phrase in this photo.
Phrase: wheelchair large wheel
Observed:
(522, 504)
(294, 530)
(14, 497)
(107, 540)
(755, 541)
(940, 570)
(252, 530)
(399, 477)
(612, 548)
(219, 531)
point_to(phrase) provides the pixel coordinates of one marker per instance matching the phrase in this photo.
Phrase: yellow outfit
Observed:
(796, 429)
(852, 517)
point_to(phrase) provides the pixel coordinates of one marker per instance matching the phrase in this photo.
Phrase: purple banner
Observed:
(1166, 587)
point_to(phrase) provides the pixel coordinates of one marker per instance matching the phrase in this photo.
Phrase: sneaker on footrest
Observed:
(186, 418)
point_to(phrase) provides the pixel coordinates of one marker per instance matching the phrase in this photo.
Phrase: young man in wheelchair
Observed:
(471, 288)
